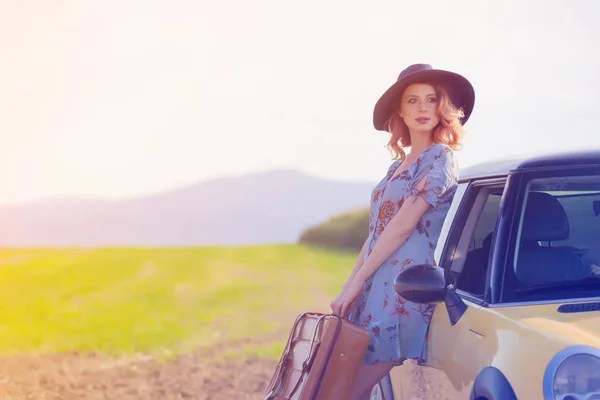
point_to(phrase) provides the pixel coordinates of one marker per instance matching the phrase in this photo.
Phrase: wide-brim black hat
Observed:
(459, 89)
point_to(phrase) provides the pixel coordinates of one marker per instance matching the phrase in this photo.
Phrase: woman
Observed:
(424, 110)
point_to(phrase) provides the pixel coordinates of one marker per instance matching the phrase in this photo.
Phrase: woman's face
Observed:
(418, 107)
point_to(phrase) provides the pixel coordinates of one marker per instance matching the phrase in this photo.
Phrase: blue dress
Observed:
(398, 327)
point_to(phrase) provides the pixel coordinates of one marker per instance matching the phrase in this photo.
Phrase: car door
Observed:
(457, 353)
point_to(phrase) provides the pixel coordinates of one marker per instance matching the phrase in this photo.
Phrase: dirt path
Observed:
(204, 375)
(88, 376)
(201, 375)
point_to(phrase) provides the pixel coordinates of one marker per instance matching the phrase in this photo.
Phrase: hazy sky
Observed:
(120, 98)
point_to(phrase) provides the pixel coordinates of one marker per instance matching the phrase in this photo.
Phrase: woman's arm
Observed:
(395, 234)
(429, 190)
(359, 263)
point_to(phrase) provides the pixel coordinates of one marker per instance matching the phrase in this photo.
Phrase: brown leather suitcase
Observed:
(321, 359)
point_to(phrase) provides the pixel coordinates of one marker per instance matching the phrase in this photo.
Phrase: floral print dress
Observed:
(398, 327)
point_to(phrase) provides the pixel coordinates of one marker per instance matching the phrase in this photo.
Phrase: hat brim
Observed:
(459, 89)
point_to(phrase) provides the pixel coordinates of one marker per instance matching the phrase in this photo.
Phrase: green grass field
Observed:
(161, 301)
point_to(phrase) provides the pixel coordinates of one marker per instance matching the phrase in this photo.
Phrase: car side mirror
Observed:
(426, 284)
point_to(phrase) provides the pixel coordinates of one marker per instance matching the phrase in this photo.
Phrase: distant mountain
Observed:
(269, 207)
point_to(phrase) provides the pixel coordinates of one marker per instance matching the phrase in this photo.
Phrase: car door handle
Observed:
(477, 333)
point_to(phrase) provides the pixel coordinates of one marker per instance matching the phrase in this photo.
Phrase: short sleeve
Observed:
(440, 174)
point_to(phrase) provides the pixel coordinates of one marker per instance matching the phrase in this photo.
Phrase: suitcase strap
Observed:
(306, 365)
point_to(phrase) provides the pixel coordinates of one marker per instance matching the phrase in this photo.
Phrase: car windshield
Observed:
(558, 253)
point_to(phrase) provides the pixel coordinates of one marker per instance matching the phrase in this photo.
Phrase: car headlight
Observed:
(573, 374)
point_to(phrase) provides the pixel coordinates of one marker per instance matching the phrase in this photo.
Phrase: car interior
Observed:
(558, 239)
(473, 275)
(559, 231)
(545, 220)
(472, 278)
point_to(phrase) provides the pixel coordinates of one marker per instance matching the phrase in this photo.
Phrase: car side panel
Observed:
(460, 351)
(454, 358)
(518, 341)
(529, 336)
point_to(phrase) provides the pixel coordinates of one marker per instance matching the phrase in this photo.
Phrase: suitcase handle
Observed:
(313, 346)
(306, 365)
(274, 386)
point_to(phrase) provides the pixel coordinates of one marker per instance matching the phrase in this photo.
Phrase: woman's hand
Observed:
(595, 270)
(336, 304)
(344, 302)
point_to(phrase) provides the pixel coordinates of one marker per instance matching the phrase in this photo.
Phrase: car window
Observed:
(486, 221)
(558, 239)
(448, 221)
(472, 277)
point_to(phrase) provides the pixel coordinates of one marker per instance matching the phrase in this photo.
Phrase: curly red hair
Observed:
(449, 130)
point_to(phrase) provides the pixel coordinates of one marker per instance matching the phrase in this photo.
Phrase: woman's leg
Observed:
(367, 377)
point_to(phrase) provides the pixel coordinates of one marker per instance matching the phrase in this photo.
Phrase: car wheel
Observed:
(491, 384)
